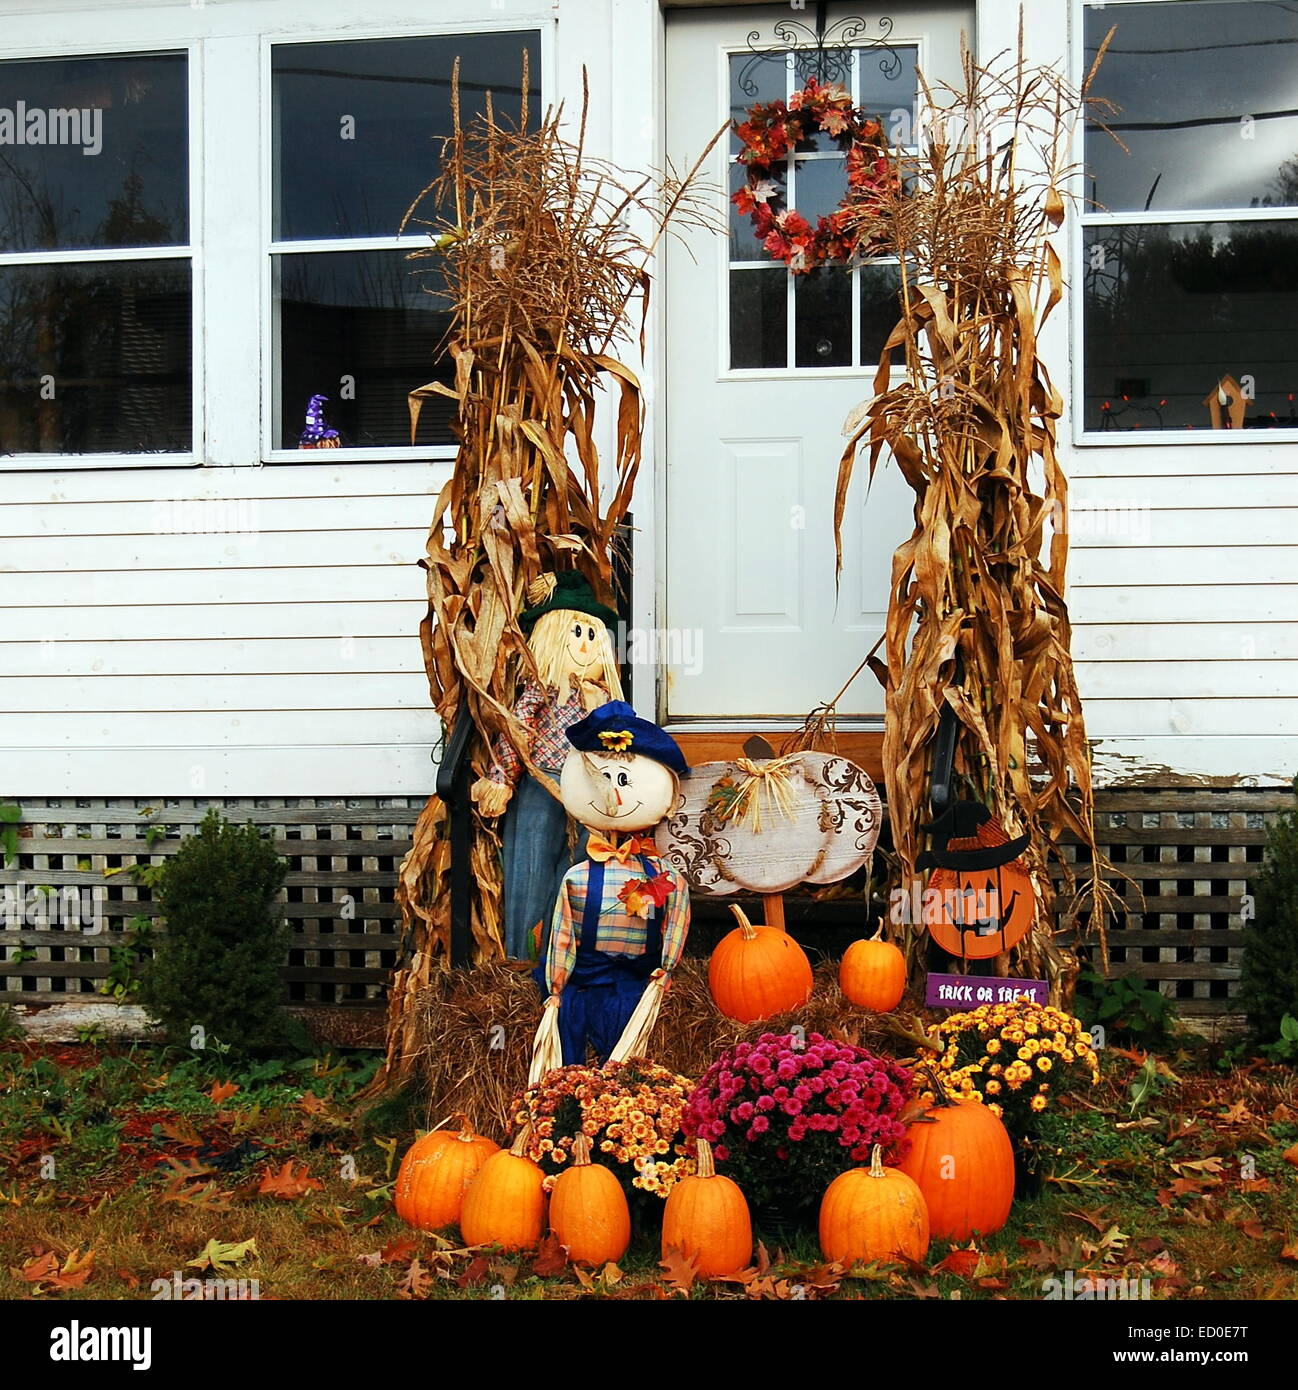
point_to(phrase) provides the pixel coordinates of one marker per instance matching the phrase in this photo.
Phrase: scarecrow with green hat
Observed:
(575, 672)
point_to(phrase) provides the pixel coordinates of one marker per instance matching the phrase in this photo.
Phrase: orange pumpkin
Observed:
(872, 974)
(873, 1213)
(706, 1218)
(435, 1172)
(962, 1158)
(756, 972)
(505, 1202)
(588, 1210)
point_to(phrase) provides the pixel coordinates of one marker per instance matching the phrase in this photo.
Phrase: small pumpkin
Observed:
(588, 1210)
(436, 1171)
(755, 972)
(962, 1158)
(505, 1202)
(873, 1213)
(706, 1218)
(872, 974)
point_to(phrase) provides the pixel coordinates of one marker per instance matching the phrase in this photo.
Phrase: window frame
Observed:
(725, 372)
(192, 252)
(268, 451)
(1194, 217)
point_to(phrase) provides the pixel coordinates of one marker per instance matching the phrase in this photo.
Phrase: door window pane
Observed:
(95, 358)
(1206, 100)
(879, 289)
(356, 123)
(823, 319)
(759, 318)
(94, 152)
(1172, 310)
(361, 328)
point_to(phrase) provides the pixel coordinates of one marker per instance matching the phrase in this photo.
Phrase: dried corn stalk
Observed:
(537, 245)
(979, 585)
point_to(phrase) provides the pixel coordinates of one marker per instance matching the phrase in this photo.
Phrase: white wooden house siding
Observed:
(138, 660)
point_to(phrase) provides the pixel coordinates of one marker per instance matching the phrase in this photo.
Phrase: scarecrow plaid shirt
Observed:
(549, 721)
(621, 933)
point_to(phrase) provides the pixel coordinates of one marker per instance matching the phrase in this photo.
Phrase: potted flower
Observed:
(786, 1114)
(632, 1113)
(1018, 1059)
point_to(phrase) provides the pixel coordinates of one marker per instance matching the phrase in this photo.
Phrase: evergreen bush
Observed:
(1268, 987)
(217, 965)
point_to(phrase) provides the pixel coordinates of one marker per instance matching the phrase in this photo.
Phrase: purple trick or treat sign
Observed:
(969, 991)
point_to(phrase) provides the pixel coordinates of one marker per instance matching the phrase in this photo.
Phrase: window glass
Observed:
(1172, 312)
(1207, 106)
(95, 357)
(356, 123)
(94, 152)
(361, 328)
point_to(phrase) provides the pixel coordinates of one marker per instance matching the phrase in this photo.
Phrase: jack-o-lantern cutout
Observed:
(980, 898)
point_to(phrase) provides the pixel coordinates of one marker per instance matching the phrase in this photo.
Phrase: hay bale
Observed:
(475, 1029)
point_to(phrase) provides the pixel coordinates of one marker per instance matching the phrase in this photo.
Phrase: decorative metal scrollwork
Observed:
(825, 52)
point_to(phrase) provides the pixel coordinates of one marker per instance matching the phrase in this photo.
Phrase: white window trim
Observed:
(1083, 438)
(721, 177)
(192, 252)
(269, 451)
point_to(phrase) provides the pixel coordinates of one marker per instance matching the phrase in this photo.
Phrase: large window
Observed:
(1190, 241)
(96, 276)
(195, 241)
(355, 129)
(831, 318)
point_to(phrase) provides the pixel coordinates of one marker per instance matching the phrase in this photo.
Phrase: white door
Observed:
(763, 368)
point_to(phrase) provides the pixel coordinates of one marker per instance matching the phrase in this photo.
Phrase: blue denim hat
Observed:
(615, 727)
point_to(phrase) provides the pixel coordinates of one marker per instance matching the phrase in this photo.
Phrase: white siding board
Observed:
(1164, 566)
(321, 729)
(338, 689)
(263, 656)
(108, 624)
(1185, 641)
(1181, 604)
(306, 584)
(1187, 680)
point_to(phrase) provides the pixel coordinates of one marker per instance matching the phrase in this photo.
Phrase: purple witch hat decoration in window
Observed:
(317, 434)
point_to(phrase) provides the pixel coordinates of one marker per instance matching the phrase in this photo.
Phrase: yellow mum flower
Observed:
(993, 1045)
(1024, 1054)
(1038, 1102)
(1044, 1063)
(993, 1087)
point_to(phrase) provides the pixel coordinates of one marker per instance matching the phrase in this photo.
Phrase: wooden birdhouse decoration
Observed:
(1226, 404)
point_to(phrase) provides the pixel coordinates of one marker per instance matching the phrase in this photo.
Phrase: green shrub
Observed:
(216, 967)
(1268, 986)
(1129, 1007)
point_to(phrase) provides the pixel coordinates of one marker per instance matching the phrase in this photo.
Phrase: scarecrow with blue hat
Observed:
(621, 919)
(575, 672)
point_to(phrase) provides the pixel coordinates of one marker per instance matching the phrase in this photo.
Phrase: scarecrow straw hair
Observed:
(972, 427)
(541, 250)
(549, 645)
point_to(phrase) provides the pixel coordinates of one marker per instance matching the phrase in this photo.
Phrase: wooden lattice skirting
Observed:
(1193, 850)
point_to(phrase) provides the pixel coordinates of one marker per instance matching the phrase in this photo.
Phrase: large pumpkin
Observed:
(435, 1173)
(962, 1158)
(756, 972)
(873, 1213)
(706, 1218)
(588, 1210)
(872, 974)
(505, 1202)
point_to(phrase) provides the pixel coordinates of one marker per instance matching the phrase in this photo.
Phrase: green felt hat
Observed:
(571, 592)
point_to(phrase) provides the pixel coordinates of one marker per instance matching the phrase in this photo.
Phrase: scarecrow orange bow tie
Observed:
(602, 850)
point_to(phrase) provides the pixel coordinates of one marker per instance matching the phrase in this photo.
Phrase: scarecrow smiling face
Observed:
(616, 790)
(584, 642)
